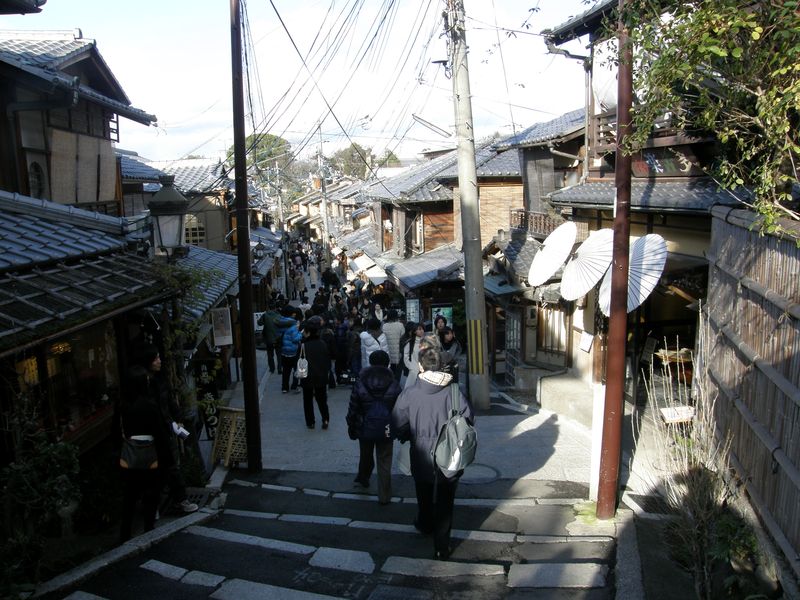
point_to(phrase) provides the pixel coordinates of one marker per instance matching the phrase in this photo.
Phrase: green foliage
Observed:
(264, 150)
(730, 68)
(354, 161)
(389, 159)
(41, 480)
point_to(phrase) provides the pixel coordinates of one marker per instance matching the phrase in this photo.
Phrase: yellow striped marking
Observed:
(475, 347)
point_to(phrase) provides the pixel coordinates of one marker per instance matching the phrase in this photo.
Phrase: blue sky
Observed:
(173, 60)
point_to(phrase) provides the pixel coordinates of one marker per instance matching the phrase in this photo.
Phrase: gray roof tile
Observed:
(544, 132)
(489, 164)
(35, 232)
(695, 195)
(196, 175)
(420, 270)
(43, 54)
(417, 184)
(224, 272)
(135, 168)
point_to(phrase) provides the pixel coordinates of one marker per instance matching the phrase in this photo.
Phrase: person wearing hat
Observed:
(369, 422)
(315, 384)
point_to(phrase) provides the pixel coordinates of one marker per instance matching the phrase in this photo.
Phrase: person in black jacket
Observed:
(140, 416)
(315, 385)
(370, 423)
(419, 414)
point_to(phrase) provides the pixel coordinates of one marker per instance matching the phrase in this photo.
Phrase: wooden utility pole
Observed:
(248, 344)
(477, 359)
(611, 445)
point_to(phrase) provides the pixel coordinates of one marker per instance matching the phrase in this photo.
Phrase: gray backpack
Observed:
(455, 448)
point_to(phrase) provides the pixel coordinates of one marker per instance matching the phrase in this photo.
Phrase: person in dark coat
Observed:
(170, 411)
(315, 386)
(376, 383)
(140, 416)
(418, 416)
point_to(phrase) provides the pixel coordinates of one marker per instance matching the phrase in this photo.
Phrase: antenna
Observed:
(552, 255)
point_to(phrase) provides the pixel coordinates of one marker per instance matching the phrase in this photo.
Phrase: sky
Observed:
(322, 73)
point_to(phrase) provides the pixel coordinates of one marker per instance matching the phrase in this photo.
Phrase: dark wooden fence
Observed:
(753, 359)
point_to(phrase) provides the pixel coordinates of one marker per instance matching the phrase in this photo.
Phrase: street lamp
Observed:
(168, 208)
(260, 251)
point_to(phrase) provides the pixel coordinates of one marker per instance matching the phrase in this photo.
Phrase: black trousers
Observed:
(320, 394)
(435, 514)
(366, 463)
(272, 355)
(288, 364)
(144, 484)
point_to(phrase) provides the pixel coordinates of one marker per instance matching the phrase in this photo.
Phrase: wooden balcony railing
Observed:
(540, 225)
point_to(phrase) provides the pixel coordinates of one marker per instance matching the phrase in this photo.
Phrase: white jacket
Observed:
(412, 364)
(369, 344)
(394, 330)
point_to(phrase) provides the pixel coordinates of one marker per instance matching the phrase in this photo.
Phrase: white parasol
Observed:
(552, 255)
(588, 264)
(647, 257)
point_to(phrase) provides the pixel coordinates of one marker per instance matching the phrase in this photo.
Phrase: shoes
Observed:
(284, 391)
(271, 371)
(188, 507)
(360, 483)
(441, 555)
(384, 502)
(310, 426)
(324, 424)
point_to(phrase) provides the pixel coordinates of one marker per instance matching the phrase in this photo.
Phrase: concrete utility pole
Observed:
(477, 359)
(248, 342)
(324, 205)
(611, 446)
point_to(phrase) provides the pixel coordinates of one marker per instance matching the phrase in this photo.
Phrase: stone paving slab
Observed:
(421, 567)
(202, 578)
(252, 540)
(557, 575)
(343, 560)
(164, 569)
(240, 589)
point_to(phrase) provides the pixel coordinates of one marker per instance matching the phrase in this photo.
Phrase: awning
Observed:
(48, 302)
(501, 285)
(361, 263)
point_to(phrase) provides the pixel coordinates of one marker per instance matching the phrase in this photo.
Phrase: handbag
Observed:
(138, 452)
(301, 371)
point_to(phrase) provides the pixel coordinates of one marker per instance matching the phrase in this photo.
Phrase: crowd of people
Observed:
(400, 373)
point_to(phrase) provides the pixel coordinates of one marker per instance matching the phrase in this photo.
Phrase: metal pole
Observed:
(610, 450)
(477, 363)
(248, 345)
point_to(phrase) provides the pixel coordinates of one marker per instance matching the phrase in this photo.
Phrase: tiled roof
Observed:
(34, 232)
(695, 195)
(223, 271)
(417, 184)
(346, 193)
(544, 132)
(489, 164)
(196, 176)
(443, 263)
(40, 303)
(43, 54)
(137, 169)
(519, 252)
(356, 240)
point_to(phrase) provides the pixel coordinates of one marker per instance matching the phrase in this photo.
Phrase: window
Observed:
(552, 329)
(195, 231)
(513, 330)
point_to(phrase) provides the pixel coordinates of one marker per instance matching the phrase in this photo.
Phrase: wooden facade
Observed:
(753, 362)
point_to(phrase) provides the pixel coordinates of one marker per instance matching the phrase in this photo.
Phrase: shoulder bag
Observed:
(302, 364)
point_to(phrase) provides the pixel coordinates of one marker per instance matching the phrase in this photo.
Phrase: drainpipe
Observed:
(553, 150)
(539, 382)
(587, 68)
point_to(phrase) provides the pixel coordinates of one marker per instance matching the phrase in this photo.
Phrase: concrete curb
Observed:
(130, 548)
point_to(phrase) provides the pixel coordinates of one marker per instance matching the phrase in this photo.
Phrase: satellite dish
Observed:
(588, 264)
(552, 255)
(647, 257)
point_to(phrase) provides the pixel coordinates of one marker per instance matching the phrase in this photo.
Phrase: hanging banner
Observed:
(412, 310)
(221, 325)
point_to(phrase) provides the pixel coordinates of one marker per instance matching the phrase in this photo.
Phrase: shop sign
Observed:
(412, 310)
(221, 326)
